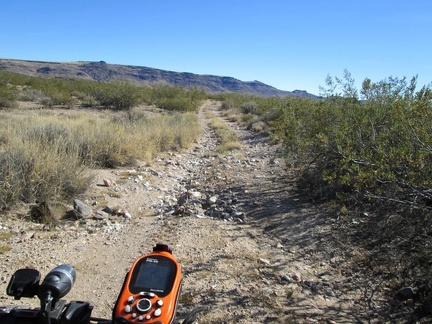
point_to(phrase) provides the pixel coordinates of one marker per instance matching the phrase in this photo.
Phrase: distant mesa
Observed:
(141, 75)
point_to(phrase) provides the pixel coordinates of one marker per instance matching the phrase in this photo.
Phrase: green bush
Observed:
(370, 149)
(177, 104)
(58, 99)
(7, 93)
(117, 95)
(175, 98)
(29, 94)
(250, 107)
(375, 152)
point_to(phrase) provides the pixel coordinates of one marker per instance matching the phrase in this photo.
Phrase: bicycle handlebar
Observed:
(59, 281)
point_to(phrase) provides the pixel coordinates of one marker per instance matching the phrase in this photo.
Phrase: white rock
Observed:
(212, 200)
(127, 216)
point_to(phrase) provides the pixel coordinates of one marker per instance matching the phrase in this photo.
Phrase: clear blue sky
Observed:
(289, 44)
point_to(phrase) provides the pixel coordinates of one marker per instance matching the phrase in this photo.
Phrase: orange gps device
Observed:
(151, 289)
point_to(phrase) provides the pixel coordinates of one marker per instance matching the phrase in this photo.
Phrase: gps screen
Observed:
(155, 274)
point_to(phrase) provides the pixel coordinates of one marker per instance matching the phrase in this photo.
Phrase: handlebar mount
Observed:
(146, 295)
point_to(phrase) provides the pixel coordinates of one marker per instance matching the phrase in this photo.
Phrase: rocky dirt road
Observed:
(258, 253)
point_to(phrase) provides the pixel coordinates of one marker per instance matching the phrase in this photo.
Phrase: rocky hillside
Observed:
(102, 71)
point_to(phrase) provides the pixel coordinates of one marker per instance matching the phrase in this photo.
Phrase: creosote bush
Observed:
(57, 92)
(7, 94)
(368, 150)
(116, 95)
(175, 98)
(374, 152)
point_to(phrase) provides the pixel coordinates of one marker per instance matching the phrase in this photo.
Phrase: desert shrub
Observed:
(48, 91)
(260, 114)
(258, 126)
(117, 95)
(273, 115)
(175, 98)
(86, 99)
(7, 97)
(29, 94)
(226, 105)
(248, 104)
(7, 94)
(52, 92)
(374, 152)
(250, 107)
(66, 92)
(177, 104)
(58, 99)
(232, 100)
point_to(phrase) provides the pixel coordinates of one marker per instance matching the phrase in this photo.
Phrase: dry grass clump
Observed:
(227, 136)
(37, 161)
(172, 132)
(246, 114)
(5, 237)
(45, 155)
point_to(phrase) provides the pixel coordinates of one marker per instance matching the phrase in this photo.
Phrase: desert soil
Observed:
(278, 262)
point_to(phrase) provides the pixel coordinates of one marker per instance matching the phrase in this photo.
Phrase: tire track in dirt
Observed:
(281, 265)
